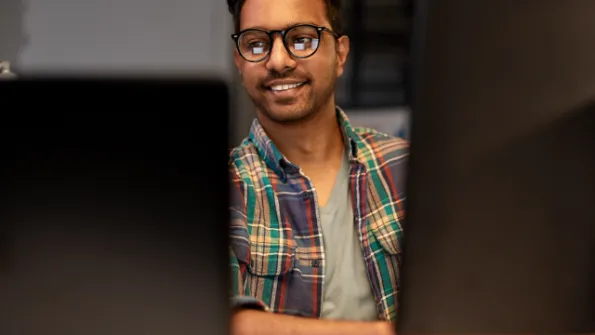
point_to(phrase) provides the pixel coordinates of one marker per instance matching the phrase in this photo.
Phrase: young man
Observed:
(317, 205)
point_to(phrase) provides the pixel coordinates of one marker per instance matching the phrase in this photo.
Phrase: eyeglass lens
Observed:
(301, 41)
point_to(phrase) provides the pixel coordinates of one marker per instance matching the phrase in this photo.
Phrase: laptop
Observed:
(114, 196)
(500, 231)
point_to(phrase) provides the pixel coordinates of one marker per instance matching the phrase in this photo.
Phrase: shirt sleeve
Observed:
(239, 249)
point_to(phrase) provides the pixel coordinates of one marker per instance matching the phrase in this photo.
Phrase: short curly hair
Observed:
(333, 13)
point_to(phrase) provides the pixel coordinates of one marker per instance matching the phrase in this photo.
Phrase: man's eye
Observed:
(303, 39)
(256, 44)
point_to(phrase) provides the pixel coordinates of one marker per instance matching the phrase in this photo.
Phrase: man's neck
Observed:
(313, 142)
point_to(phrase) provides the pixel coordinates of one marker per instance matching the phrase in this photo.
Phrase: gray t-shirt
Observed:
(347, 293)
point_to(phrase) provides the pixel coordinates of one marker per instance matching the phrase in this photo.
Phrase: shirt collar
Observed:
(279, 163)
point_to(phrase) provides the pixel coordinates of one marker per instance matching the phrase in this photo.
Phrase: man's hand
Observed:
(251, 322)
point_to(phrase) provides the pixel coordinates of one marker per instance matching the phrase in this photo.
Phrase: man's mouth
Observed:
(285, 87)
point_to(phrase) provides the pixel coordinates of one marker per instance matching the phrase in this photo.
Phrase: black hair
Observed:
(333, 13)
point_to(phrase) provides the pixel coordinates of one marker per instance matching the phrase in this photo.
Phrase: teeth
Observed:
(278, 88)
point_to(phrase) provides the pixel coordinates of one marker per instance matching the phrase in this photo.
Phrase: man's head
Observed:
(311, 56)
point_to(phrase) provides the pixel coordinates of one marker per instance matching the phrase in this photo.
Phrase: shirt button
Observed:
(306, 195)
(315, 263)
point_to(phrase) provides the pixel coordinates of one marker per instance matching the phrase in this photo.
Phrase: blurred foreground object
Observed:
(500, 230)
(108, 225)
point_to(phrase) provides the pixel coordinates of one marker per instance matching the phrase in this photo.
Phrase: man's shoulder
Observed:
(386, 158)
(242, 151)
(245, 160)
(376, 143)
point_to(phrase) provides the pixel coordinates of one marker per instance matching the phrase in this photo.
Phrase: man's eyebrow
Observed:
(291, 24)
(285, 26)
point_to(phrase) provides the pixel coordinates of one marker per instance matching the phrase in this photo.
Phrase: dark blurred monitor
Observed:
(114, 206)
(500, 231)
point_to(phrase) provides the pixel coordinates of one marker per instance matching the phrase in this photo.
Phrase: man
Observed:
(317, 205)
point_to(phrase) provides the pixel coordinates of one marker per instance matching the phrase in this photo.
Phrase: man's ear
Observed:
(237, 59)
(343, 47)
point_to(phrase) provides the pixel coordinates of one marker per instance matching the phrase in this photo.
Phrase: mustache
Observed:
(272, 75)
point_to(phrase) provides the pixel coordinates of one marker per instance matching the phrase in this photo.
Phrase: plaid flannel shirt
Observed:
(277, 253)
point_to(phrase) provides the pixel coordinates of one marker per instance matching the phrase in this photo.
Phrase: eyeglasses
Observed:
(300, 41)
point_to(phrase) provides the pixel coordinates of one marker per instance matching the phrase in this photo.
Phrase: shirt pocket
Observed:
(269, 269)
(388, 234)
(271, 259)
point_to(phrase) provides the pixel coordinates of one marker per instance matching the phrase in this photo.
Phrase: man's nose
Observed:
(279, 59)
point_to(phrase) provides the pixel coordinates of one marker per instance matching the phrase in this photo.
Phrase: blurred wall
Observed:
(126, 35)
(12, 31)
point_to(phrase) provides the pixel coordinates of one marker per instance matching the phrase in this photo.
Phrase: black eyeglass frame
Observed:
(283, 33)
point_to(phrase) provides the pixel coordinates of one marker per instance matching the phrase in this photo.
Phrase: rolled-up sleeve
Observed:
(239, 251)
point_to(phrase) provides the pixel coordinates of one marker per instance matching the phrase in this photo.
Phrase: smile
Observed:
(280, 88)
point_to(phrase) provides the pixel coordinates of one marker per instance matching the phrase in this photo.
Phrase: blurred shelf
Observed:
(380, 33)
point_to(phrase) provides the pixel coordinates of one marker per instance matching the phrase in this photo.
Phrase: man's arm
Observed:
(240, 247)
(238, 299)
(252, 322)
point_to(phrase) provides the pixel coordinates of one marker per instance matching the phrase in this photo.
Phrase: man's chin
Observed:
(287, 114)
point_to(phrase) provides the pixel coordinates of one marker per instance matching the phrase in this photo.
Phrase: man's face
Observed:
(315, 75)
